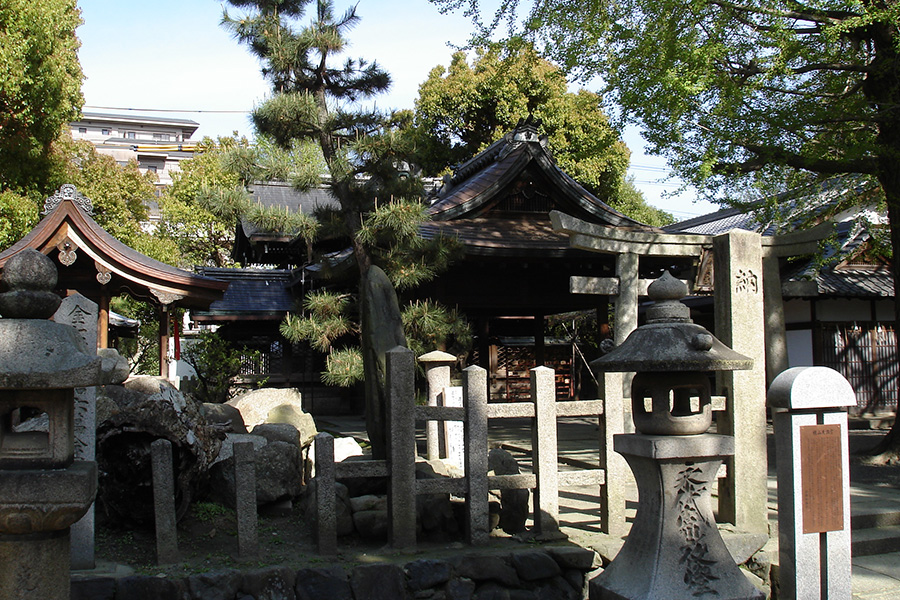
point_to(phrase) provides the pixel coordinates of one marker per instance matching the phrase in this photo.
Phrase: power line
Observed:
(168, 110)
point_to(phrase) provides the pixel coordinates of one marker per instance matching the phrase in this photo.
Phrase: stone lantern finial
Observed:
(30, 278)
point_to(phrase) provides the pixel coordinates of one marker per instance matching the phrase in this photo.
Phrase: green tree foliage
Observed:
(119, 193)
(209, 195)
(216, 364)
(40, 88)
(18, 215)
(141, 351)
(315, 100)
(463, 108)
(738, 92)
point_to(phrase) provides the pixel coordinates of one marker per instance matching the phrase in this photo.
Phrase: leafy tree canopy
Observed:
(465, 107)
(209, 195)
(729, 89)
(40, 88)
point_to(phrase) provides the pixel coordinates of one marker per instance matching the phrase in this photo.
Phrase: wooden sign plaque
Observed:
(821, 478)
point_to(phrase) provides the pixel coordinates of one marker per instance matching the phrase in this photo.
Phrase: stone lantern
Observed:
(674, 549)
(43, 490)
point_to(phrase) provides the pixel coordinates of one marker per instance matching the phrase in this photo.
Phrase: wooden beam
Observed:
(103, 320)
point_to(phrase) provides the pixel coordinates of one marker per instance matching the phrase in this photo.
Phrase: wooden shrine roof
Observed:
(93, 262)
(518, 174)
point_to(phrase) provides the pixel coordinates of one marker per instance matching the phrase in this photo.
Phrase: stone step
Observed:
(868, 542)
(875, 517)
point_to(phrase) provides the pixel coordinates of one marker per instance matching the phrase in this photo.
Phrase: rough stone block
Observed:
(278, 432)
(318, 584)
(98, 588)
(272, 583)
(379, 582)
(459, 588)
(484, 568)
(573, 557)
(535, 565)
(146, 587)
(428, 573)
(218, 585)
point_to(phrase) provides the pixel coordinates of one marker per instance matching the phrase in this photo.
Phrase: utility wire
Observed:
(167, 110)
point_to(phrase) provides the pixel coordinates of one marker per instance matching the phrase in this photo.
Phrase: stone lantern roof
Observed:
(671, 341)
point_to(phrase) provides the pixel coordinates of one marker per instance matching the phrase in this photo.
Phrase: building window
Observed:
(106, 132)
(151, 168)
(162, 137)
(82, 130)
(130, 135)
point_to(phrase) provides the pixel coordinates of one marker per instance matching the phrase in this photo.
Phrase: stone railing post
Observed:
(401, 404)
(612, 494)
(164, 502)
(437, 373)
(544, 443)
(245, 500)
(813, 467)
(475, 394)
(326, 518)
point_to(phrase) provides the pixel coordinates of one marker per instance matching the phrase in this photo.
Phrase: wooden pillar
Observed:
(164, 341)
(103, 320)
(539, 354)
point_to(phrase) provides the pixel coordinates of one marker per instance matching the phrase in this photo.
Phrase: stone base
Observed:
(674, 550)
(34, 566)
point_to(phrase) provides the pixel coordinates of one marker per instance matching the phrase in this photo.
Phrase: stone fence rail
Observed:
(399, 467)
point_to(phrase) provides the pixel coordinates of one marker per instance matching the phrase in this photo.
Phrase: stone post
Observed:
(776, 340)
(326, 519)
(616, 471)
(245, 500)
(401, 403)
(164, 502)
(81, 313)
(626, 305)
(437, 373)
(475, 394)
(546, 466)
(740, 324)
(454, 431)
(43, 489)
(810, 423)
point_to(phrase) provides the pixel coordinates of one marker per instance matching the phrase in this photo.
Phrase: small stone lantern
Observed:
(44, 490)
(674, 549)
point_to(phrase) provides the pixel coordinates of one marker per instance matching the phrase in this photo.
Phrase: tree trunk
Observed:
(888, 449)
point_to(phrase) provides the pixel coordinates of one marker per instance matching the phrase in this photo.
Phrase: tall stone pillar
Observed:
(626, 322)
(81, 313)
(740, 324)
(776, 340)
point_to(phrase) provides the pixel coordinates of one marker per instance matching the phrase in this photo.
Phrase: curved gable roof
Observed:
(485, 179)
(90, 259)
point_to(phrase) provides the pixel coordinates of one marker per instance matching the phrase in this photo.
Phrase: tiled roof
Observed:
(522, 153)
(262, 293)
(516, 235)
(284, 195)
(854, 283)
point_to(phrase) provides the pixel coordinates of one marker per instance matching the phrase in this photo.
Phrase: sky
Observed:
(171, 58)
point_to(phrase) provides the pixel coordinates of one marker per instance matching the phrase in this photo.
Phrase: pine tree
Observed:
(362, 149)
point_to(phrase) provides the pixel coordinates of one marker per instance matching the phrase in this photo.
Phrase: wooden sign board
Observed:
(821, 478)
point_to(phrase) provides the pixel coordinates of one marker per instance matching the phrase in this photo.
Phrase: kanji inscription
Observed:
(821, 477)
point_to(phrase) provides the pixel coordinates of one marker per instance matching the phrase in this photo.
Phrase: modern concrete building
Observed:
(157, 144)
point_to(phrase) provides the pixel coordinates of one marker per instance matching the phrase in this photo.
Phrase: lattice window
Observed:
(866, 354)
